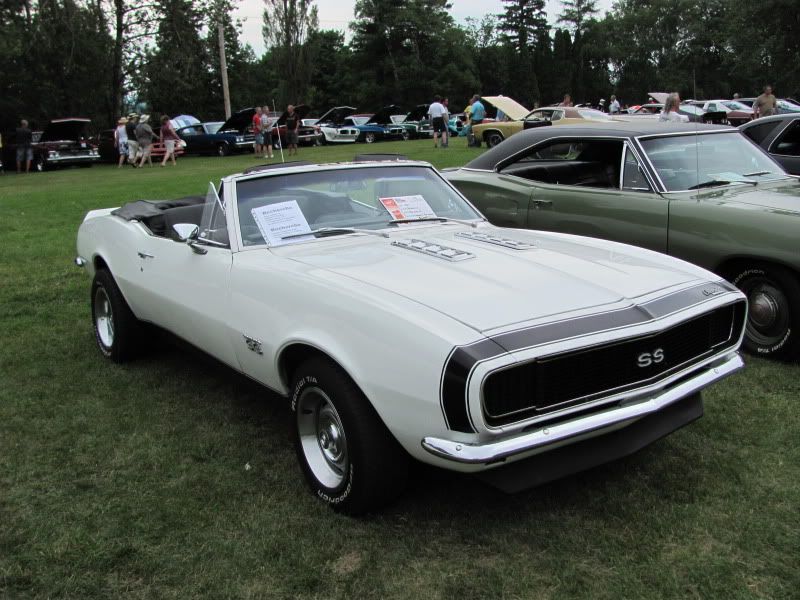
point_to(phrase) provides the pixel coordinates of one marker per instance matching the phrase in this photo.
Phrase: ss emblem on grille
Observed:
(645, 359)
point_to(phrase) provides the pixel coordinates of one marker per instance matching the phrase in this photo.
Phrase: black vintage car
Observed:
(780, 136)
(235, 135)
(63, 143)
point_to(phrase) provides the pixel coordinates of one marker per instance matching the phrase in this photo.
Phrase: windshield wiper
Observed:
(718, 182)
(443, 219)
(325, 231)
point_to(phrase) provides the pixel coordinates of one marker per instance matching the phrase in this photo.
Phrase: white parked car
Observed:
(400, 324)
(333, 128)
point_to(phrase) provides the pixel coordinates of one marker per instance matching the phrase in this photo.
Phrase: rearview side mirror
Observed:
(189, 232)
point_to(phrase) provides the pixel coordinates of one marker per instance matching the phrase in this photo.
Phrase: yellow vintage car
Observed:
(518, 118)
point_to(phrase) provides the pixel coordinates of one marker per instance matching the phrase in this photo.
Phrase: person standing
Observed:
(292, 125)
(121, 140)
(258, 130)
(671, 107)
(266, 131)
(436, 113)
(567, 101)
(133, 145)
(144, 137)
(169, 138)
(446, 118)
(613, 107)
(766, 104)
(24, 139)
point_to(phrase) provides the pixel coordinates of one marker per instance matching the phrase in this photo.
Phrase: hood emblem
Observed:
(496, 240)
(712, 291)
(433, 249)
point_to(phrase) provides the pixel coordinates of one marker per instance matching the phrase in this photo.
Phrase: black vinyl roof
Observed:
(628, 129)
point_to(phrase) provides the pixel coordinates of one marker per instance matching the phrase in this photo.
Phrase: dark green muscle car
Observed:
(699, 192)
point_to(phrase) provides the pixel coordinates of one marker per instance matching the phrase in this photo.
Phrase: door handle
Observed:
(145, 255)
(537, 204)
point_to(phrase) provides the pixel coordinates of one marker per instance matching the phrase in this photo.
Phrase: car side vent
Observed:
(433, 249)
(496, 240)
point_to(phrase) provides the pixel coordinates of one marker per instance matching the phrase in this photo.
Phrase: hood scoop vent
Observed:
(433, 249)
(496, 240)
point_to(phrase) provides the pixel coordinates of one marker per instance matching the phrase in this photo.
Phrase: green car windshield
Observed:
(688, 162)
(280, 209)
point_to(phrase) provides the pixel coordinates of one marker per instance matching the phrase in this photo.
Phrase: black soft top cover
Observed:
(139, 210)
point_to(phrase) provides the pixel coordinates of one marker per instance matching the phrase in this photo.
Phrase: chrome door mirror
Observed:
(186, 231)
(189, 232)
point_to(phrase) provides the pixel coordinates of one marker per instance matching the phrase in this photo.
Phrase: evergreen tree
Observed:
(522, 22)
(577, 14)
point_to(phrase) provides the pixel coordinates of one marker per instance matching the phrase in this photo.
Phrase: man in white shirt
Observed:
(613, 108)
(436, 112)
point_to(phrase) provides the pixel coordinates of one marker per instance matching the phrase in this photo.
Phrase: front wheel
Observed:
(117, 331)
(773, 295)
(348, 457)
(223, 150)
(406, 135)
(493, 138)
(369, 138)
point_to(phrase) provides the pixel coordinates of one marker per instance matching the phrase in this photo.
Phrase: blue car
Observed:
(378, 126)
(234, 135)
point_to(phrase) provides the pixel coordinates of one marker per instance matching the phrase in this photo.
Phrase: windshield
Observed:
(593, 115)
(788, 106)
(690, 161)
(736, 105)
(280, 208)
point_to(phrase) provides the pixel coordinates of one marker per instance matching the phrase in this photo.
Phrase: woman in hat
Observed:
(121, 140)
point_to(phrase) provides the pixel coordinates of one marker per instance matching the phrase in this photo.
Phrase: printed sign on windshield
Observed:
(403, 208)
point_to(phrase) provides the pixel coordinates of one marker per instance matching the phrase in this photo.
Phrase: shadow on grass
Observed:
(658, 473)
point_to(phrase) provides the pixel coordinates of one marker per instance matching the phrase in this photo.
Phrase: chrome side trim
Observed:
(498, 451)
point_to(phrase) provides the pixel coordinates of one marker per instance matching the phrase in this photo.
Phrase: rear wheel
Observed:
(773, 321)
(348, 457)
(117, 331)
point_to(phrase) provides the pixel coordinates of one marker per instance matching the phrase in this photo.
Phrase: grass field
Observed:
(172, 477)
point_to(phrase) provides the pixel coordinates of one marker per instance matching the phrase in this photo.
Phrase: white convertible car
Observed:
(400, 324)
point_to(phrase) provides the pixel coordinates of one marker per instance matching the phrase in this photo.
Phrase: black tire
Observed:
(406, 135)
(492, 139)
(773, 320)
(369, 137)
(348, 457)
(223, 150)
(126, 331)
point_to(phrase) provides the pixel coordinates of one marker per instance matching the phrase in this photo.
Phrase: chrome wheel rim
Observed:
(103, 318)
(322, 437)
(768, 315)
(494, 140)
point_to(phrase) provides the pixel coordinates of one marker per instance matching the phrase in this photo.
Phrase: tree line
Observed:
(103, 58)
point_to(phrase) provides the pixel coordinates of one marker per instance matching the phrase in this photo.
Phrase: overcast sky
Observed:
(336, 14)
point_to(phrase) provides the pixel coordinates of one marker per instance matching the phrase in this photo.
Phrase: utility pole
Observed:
(223, 65)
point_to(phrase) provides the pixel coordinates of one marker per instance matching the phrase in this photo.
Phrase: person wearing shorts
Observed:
(436, 112)
(258, 130)
(121, 140)
(133, 145)
(292, 125)
(24, 139)
(266, 128)
(169, 138)
(144, 136)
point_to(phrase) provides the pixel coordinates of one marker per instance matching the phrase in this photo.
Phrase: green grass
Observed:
(172, 477)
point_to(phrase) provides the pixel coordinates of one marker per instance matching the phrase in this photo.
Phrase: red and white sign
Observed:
(407, 207)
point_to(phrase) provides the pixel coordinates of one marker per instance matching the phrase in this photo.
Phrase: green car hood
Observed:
(779, 196)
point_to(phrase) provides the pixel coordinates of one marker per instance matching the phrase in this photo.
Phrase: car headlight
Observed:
(239, 138)
(52, 154)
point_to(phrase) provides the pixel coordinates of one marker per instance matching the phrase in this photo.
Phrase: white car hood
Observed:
(499, 286)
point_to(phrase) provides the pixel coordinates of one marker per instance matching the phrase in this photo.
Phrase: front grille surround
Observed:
(553, 383)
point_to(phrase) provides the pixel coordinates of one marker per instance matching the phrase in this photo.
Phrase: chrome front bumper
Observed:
(560, 433)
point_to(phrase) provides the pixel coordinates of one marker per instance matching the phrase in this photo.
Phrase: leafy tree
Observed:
(176, 76)
(287, 27)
